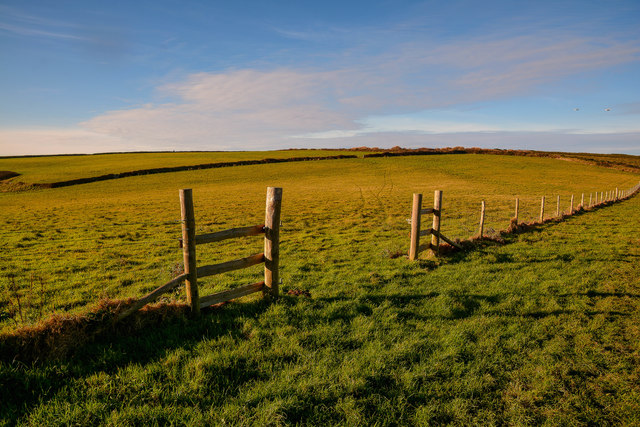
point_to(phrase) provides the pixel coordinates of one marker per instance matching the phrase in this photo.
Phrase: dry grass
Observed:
(61, 335)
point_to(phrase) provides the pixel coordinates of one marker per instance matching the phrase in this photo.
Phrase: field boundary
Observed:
(170, 169)
(607, 198)
(61, 334)
(377, 153)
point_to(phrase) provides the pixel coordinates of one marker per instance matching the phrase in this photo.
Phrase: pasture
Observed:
(542, 328)
(47, 169)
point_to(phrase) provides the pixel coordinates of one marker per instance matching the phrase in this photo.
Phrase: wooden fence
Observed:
(604, 198)
(434, 231)
(270, 257)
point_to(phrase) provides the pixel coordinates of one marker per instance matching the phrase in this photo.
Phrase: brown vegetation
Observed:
(60, 335)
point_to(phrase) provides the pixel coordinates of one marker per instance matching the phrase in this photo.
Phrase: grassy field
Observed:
(541, 329)
(614, 160)
(46, 169)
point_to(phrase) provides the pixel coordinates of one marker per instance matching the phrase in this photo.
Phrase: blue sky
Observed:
(89, 76)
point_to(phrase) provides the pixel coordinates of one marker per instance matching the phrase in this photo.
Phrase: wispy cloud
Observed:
(15, 142)
(28, 31)
(252, 108)
(286, 106)
(22, 24)
(94, 40)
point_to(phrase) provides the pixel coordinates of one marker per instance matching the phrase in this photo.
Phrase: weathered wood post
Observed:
(558, 206)
(482, 219)
(272, 242)
(581, 202)
(571, 206)
(616, 194)
(601, 197)
(590, 196)
(542, 210)
(189, 249)
(415, 226)
(437, 206)
(516, 212)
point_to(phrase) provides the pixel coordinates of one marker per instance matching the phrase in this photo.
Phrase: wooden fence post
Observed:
(437, 206)
(272, 241)
(601, 197)
(415, 226)
(616, 194)
(581, 202)
(482, 220)
(517, 209)
(558, 206)
(542, 210)
(590, 196)
(571, 206)
(189, 249)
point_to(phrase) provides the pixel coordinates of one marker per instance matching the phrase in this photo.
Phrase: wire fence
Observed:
(495, 214)
(112, 257)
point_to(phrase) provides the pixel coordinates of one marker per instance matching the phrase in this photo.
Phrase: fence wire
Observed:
(142, 254)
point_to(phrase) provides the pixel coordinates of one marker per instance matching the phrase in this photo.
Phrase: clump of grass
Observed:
(25, 305)
(60, 335)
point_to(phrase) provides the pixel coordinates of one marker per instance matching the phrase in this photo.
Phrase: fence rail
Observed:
(270, 257)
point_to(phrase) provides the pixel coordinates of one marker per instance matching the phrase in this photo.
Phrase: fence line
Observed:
(609, 197)
(271, 230)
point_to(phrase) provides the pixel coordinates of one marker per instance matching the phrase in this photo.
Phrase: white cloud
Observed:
(280, 108)
(627, 143)
(15, 142)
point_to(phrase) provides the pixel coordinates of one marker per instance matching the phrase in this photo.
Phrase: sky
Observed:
(93, 76)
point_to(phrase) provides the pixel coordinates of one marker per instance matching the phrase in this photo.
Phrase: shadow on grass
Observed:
(458, 306)
(132, 341)
(461, 306)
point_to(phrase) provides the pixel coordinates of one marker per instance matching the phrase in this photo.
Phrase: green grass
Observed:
(619, 160)
(543, 329)
(47, 169)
